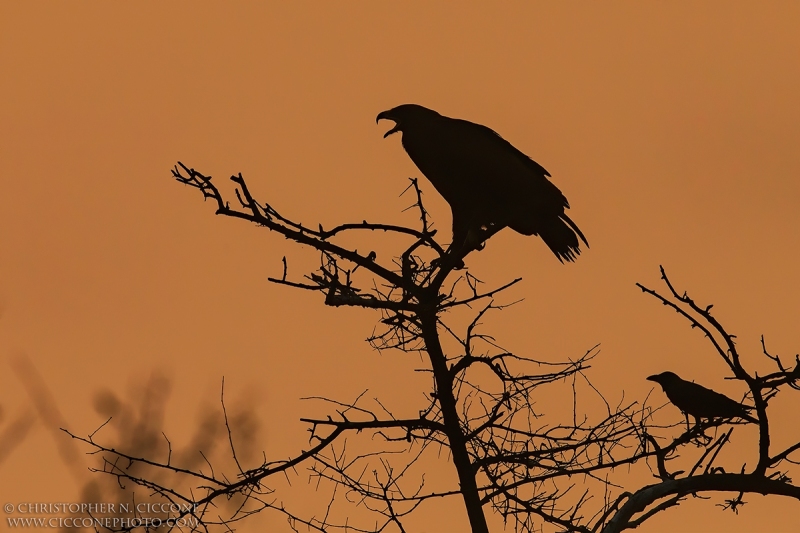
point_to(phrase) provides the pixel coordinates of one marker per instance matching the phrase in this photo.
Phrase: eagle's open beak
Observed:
(384, 115)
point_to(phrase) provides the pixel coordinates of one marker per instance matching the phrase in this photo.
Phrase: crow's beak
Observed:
(654, 377)
(384, 115)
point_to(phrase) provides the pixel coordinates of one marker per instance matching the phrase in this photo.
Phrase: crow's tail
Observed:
(745, 415)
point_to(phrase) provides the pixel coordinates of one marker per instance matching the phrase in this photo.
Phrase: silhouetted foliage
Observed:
(143, 453)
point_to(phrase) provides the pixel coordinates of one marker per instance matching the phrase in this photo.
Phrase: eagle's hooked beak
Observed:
(385, 115)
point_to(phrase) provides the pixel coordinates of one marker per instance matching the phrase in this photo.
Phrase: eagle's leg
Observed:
(461, 225)
(468, 235)
(458, 248)
(475, 239)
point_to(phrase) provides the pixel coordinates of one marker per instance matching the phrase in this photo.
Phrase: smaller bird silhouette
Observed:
(698, 401)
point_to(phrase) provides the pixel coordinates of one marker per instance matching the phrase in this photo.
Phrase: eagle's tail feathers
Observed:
(574, 226)
(560, 236)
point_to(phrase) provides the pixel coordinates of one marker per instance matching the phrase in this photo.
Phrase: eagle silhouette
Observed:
(488, 183)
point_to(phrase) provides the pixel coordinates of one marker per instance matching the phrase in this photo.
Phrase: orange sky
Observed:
(672, 129)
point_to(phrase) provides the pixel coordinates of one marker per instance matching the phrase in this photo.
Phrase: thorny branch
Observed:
(481, 413)
(705, 475)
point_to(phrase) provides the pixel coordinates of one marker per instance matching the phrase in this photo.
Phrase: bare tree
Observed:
(769, 476)
(482, 413)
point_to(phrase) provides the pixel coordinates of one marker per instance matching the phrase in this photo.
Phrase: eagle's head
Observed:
(664, 377)
(406, 115)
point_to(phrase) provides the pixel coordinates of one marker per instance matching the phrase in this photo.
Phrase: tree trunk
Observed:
(452, 423)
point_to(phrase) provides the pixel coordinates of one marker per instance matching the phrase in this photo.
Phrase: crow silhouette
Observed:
(488, 183)
(698, 401)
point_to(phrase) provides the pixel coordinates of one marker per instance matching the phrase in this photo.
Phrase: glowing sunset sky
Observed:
(673, 129)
